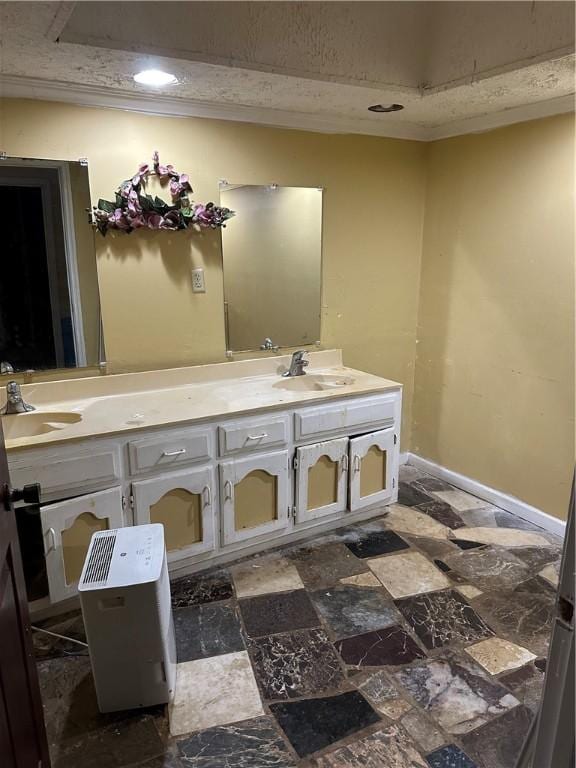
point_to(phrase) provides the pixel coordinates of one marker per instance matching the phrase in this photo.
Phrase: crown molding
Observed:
(13, 86)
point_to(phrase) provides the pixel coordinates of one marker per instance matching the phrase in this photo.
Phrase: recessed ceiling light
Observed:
(155, 77)
(385, 107)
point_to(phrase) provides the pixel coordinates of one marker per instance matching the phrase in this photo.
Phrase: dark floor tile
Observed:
(353, 610)
(385, 748)
(523, 618)
(281, 612)
(377, 543)
(442, 513)
(69, 625)
(432, 484)
(206, 630)
(450, 756)
(539, 587)
(463, 544)
(323, 566)
(442, 565)
(442, 618)
(196, 590)
(411, 496)
(168, 760)
(535, 558)
(249, 744)
(498, 743)
(313, 724)
(491, 568)
(384, 647)
(508, 520)
(540, 664)
(526, 684)
(455, 693)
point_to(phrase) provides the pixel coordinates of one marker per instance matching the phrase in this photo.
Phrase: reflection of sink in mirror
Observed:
(315, 382)
(36, 423)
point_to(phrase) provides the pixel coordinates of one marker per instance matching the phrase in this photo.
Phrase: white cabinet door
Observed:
(321, 479)
(373, 468)
(254, 496)
(184, 503)
(67, 528)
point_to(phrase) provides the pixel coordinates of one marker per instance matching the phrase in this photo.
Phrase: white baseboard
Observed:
(493, 496)
(403, 459)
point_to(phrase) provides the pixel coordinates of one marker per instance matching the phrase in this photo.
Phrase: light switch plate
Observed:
(198, 285)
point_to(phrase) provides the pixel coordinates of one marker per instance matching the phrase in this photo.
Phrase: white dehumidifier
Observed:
(125, 596)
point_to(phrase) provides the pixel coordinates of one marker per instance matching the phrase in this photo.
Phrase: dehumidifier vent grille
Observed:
(98, 566)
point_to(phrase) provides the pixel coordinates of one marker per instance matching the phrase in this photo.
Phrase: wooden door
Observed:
(22, 733)
(254, 496)
(67, 528)
(321, 479)
(184, 503)
(373, 468)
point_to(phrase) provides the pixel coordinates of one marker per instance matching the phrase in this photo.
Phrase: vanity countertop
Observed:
(112, 405)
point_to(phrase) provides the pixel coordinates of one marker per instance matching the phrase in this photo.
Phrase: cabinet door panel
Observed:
(184, 503)
(254, 496)
(67, 528)
(373, 467)
(321, 479)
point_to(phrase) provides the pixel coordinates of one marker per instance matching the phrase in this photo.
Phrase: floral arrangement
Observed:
(133, 209)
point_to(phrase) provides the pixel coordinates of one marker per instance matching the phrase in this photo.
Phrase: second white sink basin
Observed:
(36, 423)
(314, 382)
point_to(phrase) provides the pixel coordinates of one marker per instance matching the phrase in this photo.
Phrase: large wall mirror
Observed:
(49, 301)
(272, 255)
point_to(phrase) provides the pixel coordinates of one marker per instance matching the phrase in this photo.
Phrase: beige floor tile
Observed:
(408, 574)
(214, 691)
(460, 500)
(550, 574)
(497, 655)
(362, 580)
(258, 577)
(407, 520)
(469, 591)
(506, 537)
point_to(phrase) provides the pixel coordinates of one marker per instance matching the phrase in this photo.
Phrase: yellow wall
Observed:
(494, 395)
(373, 208)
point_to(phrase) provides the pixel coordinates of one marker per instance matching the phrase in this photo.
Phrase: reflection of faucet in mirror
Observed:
(297, 364)
(6, 367)
(14, 401)
(269, 344)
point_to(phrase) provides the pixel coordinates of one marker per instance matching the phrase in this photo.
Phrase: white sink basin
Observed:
(314, 382)
(36, 423)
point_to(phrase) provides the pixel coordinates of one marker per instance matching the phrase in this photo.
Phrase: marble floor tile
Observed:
(249, 744)
(498, 743)
(202, 588)
(526, 684)
(443, 618)
(383, 696)
(295, 664)
(460, 500)
(423, 730)
(377, 543)
(362, 580)
(428, 484)
(410, 495)
(411, 521)
(486, 516)
(442, 513)
(408, 574)
(551, 574)
(407, 473)
(521, 617)
(464, 544)
(280, 612)
(323, 566)
(496, 655)
(385, 647)
(312, 724)
(260, 576)
(469, 591)
(205, 630)
(352, 610)
(489, 569)
(433, 547)
(504, 537)
(215, 691)
(535, 558)
(450, 756)
(454, 694)
(508, 520)
(385, 748)
(539, 587)
(50, 647)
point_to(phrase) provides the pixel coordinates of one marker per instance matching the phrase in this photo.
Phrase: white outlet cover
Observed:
(198, 284)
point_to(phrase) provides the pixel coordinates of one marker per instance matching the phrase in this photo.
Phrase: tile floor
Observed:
(415, 640)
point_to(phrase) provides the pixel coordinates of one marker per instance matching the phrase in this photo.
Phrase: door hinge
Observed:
(127, 502)
(295, 462)
(395, 439)
(292, 512)
(393, 482)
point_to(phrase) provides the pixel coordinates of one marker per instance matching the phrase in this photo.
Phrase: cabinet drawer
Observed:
(169, 450)
(251, 435)
(346, 415)
(67, 475)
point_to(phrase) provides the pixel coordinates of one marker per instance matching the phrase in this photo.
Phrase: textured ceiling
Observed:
(456, 66)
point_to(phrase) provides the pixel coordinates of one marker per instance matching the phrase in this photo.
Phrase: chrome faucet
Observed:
(297, 364)
(14, 400)
(6, 367)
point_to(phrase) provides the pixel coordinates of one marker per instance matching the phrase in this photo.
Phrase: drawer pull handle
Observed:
(356, 463)
(261, 436)
(177, 452)
(208, 491)
(52, 546)
(227, 490)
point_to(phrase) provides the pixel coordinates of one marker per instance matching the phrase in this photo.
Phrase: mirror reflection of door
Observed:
(272, 265)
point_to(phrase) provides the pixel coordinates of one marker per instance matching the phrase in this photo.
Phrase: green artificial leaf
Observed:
(106, 205)
(146, 203)
(160, 206)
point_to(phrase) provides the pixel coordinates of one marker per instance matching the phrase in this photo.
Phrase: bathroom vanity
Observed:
(230, 457)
